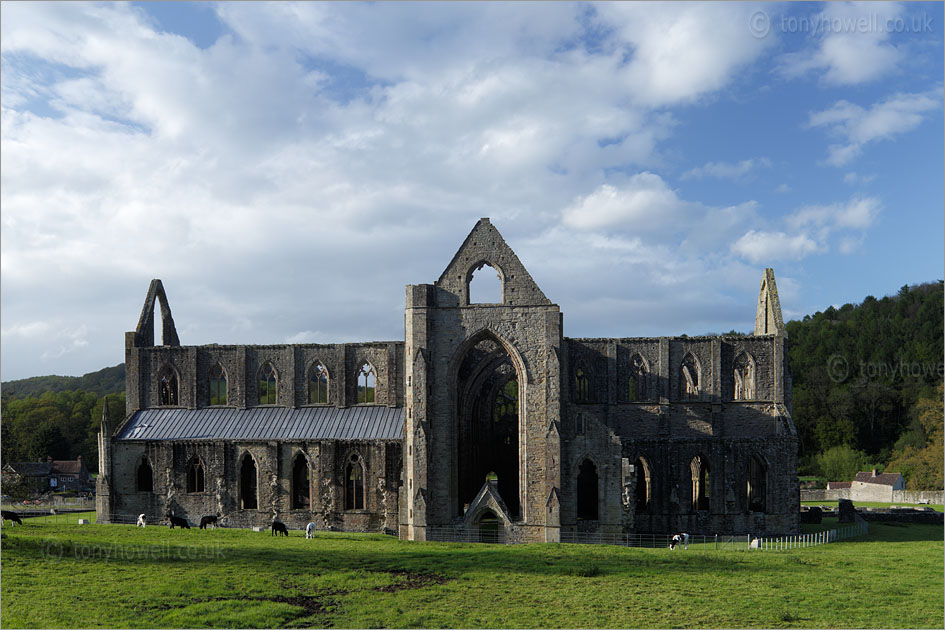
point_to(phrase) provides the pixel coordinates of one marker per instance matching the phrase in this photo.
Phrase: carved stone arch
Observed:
(144, 333)
(690, 377)
(478, 266)
(218, 393)
(300, 489)
(169, 385)
(587, 482)
(366, 396)
(267, 383)
(699, 470)
(638, 385)
(355, 480)
(744, 376)
(144, 475)
(196, 474)
(248, 481)
(756, 483)
(518, 361)
(318, 382)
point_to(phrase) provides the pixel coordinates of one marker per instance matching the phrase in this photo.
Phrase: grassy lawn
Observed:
(65, 575)
(936, 507)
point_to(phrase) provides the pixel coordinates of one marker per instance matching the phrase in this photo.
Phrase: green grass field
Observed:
(59, 574)
(937, 507)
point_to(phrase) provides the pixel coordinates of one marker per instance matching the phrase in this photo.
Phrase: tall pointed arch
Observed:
(268, 384)
(367, 384)
(218, 385)
(743, 373)
(301, 482)
(690, 377)
(637, 390)
(354, 482)
(248, 482)
(588, 490)
(318, 381)
(699, 474)
(169, 386)
(196, 474)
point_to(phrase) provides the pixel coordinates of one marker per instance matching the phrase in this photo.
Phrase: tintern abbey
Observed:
(485, 416)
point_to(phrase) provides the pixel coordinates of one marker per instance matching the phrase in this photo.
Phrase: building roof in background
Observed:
(266, 423)
(884, 479)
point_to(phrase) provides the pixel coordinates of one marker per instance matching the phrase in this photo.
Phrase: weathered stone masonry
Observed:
(616, 435)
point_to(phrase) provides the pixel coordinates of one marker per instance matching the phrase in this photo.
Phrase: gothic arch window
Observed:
(644, 489)
(689, 377)
(145, 476)
(301, 486)
(268, 384)
(699, 469)
(248, 483)
(318, 385)
(218, 385)
(744, 373)
(354, 483)
(484, 287)
(757, 484)
(582, 385)
(169, 383)
(367, 385)
(587, 491)
(195, 475)
(637, 383)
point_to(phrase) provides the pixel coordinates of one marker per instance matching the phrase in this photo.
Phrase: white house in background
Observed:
(870, 486)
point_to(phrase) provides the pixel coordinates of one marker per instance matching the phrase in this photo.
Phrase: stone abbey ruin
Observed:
(484, 416)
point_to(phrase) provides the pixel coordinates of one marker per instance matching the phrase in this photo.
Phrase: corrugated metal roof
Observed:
(266, 423)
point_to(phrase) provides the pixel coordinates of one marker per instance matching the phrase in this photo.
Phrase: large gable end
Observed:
(485, 246)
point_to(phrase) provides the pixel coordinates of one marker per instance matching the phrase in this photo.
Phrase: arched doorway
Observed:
(487, 396)
(248, 500)
(587, 492)
(490, 527)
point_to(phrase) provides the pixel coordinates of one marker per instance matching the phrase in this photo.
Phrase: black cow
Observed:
(279, 527)
(12, 516)
(180, 522)
(210, 521)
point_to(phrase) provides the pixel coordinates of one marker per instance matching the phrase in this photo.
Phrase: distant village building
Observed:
(485, 417)
(869, 486)
(52, 475)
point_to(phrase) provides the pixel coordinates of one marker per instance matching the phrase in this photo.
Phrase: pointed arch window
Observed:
(484, 287)
(637, 382)
(195, 475)
(757, 486)
(318, 385)
(169, 384)
(354, 483)
(643, 485)
(248, 484)
(300, 483)
(689, 378)
(268, 384)
(145, 476)
(366, 385)
(699, 469)
(218, 385)
(582, 386)
(744, 374)
(587, 491)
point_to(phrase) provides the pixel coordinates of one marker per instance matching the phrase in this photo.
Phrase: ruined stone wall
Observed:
(293, 364)
(274, 461)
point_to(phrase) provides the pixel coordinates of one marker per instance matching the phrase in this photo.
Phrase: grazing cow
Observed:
(279, 527)
(208, 521)
(141, 522)
(180, 522)
(675, 541)
(310, 531)
(12, 516)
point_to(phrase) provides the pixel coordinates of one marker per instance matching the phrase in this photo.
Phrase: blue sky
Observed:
(287, 168)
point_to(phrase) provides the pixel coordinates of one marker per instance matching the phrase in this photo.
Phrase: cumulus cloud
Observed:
(854, 44)
(645, 203)
(858, 126)
(760, 246)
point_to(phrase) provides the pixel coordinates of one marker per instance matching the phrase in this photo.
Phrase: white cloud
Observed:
(854, 44)
(859, 126)
(726, 170)
(858, 213)
(643, 204)
(856, 178)
(782, 188)
(760, 246)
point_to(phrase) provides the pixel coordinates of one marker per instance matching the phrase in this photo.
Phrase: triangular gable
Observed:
(144, 333)
(487, 499)
(485, 245)
(768, 320)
